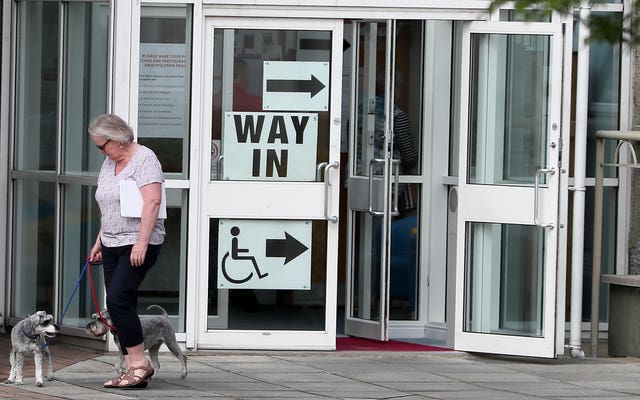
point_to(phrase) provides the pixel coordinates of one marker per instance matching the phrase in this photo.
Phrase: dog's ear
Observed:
(42, 315)
(34, 320)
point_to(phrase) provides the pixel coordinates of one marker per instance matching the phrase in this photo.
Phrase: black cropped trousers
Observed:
(122, 281)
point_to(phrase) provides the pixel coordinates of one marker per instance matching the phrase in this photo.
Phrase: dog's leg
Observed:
(37, 360)
(12, 373)
(177, 351)
(153, 355)
(19, 360)
(47, 355)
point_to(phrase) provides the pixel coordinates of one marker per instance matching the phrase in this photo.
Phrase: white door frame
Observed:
(477, 202)
(223, 199)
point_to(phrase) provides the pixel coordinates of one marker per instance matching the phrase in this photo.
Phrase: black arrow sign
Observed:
(289, 248)
(312, 86)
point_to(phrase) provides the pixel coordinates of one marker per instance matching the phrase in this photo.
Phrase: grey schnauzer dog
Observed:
(30, 336)
(156, 330)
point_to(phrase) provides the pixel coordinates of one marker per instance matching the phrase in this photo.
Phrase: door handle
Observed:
(320, 170)
(536, 190)
(219, 167)
(327, 183)
(396, 186)
(371, 164)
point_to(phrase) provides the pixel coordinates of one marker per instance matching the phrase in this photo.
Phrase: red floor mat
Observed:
(359, 344)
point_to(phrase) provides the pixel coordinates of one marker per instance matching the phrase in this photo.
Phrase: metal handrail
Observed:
(623, 137)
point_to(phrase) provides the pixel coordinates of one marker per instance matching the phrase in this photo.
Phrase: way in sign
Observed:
(276, 143)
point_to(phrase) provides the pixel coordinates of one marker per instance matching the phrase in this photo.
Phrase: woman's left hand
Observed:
(138, 252)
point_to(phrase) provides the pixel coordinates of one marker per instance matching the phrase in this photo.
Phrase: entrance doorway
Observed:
(269, 204)
(499, 178)
(397, 157)
(384, 189)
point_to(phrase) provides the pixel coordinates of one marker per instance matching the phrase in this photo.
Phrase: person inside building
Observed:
(242, 99)
(404, 148)
(127, 246)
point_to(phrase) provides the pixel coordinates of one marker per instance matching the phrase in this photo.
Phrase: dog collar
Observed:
(30, 335)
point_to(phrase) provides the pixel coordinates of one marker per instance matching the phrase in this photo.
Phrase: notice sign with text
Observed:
(161, 98)
(270, 146)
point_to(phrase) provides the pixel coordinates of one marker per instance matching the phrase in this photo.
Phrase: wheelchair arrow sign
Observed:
(289, 248)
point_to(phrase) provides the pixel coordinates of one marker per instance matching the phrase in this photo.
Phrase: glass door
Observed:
(269, 199)
(508, 192)
(383, 149)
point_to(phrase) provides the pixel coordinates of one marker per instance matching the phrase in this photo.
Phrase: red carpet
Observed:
(359, 344)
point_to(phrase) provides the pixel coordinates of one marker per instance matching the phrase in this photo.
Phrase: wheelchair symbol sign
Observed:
(264, 254)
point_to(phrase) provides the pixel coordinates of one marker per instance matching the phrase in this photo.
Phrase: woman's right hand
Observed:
(96, 253)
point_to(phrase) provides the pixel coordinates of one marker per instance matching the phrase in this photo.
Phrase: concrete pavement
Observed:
(349, 375)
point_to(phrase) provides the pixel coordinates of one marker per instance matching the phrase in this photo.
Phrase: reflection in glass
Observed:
(86, 68)
(269, 309)
(81, 221)
(508, 108)
(37, 85)
(604, 96)
(504, 279)
(33, 247)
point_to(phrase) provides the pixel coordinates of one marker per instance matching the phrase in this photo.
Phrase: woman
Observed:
(128, 247)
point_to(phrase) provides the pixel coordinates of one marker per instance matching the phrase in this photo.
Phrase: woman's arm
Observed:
(151, 199)
(96, 250)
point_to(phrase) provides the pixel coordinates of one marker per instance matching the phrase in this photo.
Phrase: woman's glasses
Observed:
(101, 146)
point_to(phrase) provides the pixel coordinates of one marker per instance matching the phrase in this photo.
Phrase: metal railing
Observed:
(625, 139)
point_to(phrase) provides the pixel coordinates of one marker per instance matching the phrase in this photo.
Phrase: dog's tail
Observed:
(164, 313)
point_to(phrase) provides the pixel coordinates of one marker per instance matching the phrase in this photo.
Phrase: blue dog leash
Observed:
(45, 342)
(75, 289)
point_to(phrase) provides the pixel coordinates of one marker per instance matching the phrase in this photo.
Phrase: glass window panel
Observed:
(407, 91)
(403, 271)
(527, 15)
(403, 267)
(366, 261)
(164, 95)
(86, 69)
(239, 58)
(504, 279)
(37, 85)
(608, 260)
(604, 97)
(270, 309)
(508, 108)
(81, 221)
(165, 284)
(33, 247)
